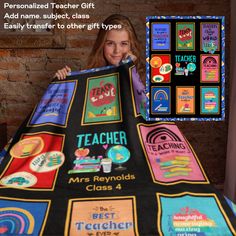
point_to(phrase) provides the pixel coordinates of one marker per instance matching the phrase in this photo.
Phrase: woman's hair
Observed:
(96, 57)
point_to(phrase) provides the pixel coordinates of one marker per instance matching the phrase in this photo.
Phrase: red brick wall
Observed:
(25, 73)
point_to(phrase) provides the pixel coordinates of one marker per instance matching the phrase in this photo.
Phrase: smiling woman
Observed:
(116, 41)
(117, 46)
(114, 45)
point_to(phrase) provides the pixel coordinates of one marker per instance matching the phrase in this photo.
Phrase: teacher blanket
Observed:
(86, 163)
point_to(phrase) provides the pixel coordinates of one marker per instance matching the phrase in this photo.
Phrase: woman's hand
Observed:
(131, 56)
(61, 74)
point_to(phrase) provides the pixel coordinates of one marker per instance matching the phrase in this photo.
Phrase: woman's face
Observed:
(116, 46)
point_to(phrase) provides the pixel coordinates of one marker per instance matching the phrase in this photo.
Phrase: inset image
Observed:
(160, 100)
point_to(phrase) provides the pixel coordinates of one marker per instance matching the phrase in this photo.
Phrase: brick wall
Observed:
(25, 73)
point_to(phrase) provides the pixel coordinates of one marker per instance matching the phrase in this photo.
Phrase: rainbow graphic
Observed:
(210, 95)
(160, 95)
(210, 100)
(162, 134)
(15, 221)
(210, 105)
(190, 218)
(210, 61)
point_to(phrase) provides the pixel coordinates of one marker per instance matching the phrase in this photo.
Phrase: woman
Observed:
(113, 46)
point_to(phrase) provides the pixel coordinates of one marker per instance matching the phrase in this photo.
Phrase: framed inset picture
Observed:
(185, 60)
(185, 100)
(185, 36)
(160, 99)
(210, 100)
(161, 36)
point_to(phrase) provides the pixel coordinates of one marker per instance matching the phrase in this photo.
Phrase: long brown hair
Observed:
(96, 57)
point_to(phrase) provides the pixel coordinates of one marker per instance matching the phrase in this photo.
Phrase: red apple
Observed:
(81, 152)
(105, 94)
(185, 34)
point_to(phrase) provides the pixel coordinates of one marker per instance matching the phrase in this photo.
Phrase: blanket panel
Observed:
(85, 162)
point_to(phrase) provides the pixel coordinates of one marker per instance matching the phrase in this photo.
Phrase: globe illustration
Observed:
(191, 67)
(119, 155)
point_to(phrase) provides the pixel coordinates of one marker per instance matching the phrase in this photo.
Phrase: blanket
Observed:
(85, 162)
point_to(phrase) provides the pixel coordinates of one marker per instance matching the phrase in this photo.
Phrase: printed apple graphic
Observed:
(177, 65)
(185, 34)
(81, 152)
(103, 95)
